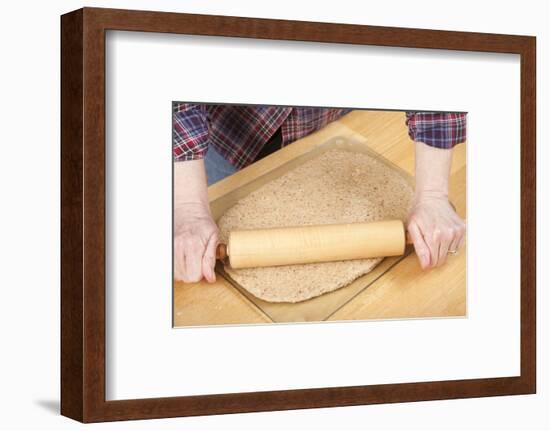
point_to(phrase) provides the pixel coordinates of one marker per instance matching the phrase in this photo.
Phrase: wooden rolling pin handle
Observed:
(222, 254)
(221, 251)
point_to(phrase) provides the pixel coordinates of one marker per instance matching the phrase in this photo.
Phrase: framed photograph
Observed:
(265, 215)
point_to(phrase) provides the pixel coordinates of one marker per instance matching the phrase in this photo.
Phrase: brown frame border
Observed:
(83, 216)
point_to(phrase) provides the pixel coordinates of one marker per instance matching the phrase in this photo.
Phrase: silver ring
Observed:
(452, 252)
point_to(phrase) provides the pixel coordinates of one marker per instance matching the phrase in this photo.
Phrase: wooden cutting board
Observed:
(404, 291)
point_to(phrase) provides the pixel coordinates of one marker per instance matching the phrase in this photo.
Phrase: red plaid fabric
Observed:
(239, 132)
(437, 129)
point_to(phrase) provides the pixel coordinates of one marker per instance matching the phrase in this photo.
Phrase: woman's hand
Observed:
(435, 229)
(433, 225)
(195, 233)
(195, 241)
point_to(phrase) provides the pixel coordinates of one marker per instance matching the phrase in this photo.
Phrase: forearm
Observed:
(432, 169)
(190, 185)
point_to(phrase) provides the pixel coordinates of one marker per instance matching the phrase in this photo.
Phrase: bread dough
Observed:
(338, 186)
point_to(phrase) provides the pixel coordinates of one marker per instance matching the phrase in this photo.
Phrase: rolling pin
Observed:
(312, 244)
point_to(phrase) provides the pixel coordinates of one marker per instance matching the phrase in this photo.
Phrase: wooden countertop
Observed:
(404, 291)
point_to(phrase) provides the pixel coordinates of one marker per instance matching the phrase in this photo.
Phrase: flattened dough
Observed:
(338, 186)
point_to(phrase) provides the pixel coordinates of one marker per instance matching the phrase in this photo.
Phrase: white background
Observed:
(146, 72)
(30, 229)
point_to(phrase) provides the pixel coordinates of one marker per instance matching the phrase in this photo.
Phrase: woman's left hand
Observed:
(435, 229)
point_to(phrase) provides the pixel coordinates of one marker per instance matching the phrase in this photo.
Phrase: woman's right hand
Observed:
(195, 242)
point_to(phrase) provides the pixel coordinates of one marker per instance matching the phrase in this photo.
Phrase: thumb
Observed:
(209, 258)
(420, 246)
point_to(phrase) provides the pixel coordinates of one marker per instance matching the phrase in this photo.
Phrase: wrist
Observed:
(190, 187)
(195, 208)
(431, 184)
(432, 170)
(429, 194)
(193, 200)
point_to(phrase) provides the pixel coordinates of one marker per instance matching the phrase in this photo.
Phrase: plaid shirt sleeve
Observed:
(190, 131)
(437, 129)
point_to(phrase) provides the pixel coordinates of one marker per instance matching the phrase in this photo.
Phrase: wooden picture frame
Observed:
(83, 214)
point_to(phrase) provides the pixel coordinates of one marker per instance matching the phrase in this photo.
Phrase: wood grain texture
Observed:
(72, 305)
(528, 216)
(83, 218)
(250, 248)
(406, 291)
(197, 304)
(437, 293)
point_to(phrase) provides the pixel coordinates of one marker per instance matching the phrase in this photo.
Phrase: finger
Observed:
(192, 272)
(433, 240)
(193, 252)
(455, 243)
(461, 239)
(178, 270)
(209, 258)
(460, 230)
(444, 247)
(420, 246)
(454, 247)
(179, 261)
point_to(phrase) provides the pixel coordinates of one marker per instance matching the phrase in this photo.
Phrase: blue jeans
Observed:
(217, 168)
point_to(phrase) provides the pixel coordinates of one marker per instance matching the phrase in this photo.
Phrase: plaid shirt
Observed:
(437, 129)
(239, 132)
